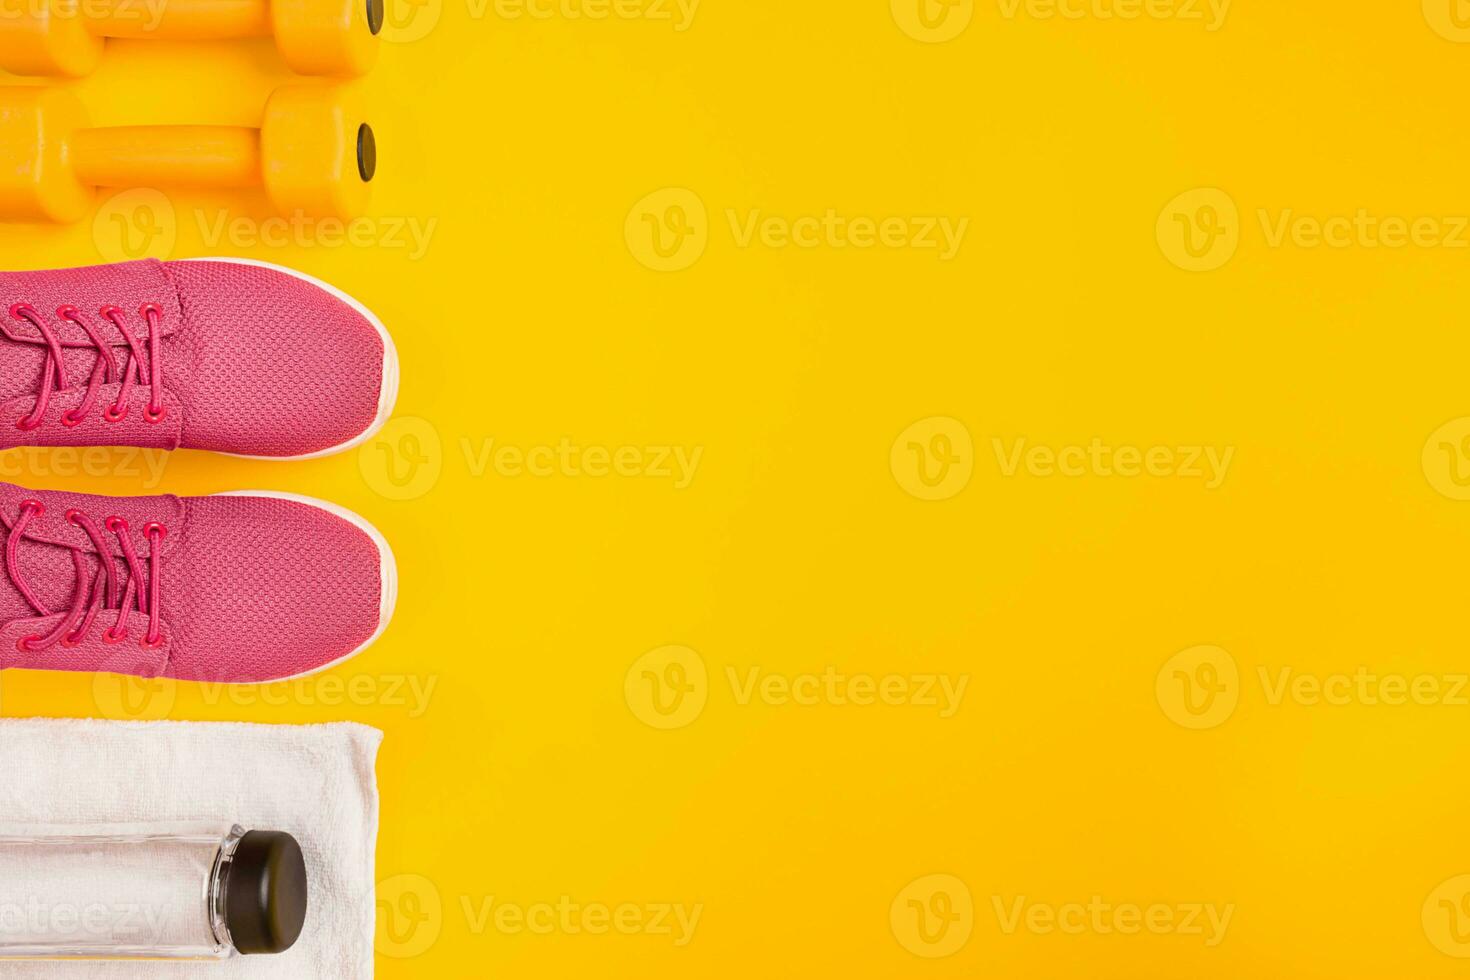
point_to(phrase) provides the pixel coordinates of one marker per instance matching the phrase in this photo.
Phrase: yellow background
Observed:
(1073, 607)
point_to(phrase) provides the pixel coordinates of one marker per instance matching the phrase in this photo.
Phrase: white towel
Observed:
(315, 782)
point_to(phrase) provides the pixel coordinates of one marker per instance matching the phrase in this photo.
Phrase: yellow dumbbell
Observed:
(314, 154)
(66, 37)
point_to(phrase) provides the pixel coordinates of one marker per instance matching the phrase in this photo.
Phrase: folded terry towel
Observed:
(315, 782)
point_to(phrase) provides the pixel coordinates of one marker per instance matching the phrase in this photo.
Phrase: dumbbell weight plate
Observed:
(37, 37)
(37, 182)
(328, 37)
(318, 155)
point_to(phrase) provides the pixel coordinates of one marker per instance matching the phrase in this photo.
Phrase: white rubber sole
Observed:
(387, 566)
(387, 392)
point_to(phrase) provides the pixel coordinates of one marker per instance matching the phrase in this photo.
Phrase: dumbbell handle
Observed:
(179, 20)
(168, 156)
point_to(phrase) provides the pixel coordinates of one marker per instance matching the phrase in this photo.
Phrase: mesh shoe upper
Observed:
(250, 359)
(228, 589)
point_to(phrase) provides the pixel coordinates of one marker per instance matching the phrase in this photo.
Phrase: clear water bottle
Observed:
(137, 894)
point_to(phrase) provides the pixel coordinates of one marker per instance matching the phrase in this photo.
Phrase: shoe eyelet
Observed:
(111, 413)
(108, 636)
(116, 525)
(67, 312)
(24, 644)
(22, 311)
(71, 640)
(34, 506)
(32, 427)
(155, 528)
(70, 421)
(148, 308)
(148, 644)
(151, 417)
(71, 516)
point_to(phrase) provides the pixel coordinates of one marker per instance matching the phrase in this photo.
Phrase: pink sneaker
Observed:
(232, 588)
(222, 354)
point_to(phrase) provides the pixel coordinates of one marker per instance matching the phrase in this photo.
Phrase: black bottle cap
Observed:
(265, 893)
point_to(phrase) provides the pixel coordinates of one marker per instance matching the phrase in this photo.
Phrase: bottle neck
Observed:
(219, 878)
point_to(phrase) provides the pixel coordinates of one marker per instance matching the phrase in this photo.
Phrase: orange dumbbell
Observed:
(66, 37)
(314, 154)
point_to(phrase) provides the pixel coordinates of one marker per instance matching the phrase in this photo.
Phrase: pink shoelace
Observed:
(104, 586)
(105, 371)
